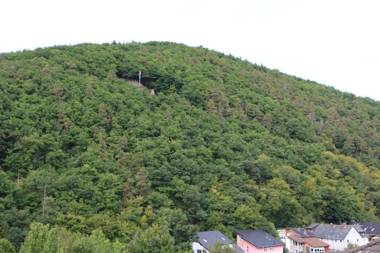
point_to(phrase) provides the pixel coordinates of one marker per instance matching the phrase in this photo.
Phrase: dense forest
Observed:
(207, 142)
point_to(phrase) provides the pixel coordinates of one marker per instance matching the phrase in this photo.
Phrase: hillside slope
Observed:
(221, 144)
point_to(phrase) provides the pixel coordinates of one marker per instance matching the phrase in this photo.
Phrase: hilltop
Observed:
(207, 141)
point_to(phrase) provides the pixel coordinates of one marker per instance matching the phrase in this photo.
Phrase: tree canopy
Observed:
(221, 143)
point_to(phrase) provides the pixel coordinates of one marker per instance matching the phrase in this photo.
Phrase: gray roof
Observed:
(313, 225)
(259, 238)
(359, 228)
(209, 239)
(371, 228)
(302, 232)
(331, 231)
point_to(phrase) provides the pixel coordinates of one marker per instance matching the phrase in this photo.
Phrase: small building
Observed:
(258, 241)
(339, 237)
(206, 240)
(299, 240)
(372, 247)
(371, 230)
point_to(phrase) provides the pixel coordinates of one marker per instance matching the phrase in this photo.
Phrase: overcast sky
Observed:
(334, 42)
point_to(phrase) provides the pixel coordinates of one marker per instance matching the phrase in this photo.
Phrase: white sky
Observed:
(334, 42)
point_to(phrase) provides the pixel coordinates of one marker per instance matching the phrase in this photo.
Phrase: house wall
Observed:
(284, 238)
(196, 246)
(353, 237)
(315, 249)
(249, 248)
(296, 246)
(291, 245)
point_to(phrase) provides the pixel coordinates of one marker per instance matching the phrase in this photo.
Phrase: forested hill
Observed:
(220, 144)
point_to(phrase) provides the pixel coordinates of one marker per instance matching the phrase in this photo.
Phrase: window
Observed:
(199, 251)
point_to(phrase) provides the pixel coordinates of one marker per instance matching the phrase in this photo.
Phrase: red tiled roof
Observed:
(315, 242)
(312, 241)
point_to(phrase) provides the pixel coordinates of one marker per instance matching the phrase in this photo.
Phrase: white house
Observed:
(206, 240)
(339, 237)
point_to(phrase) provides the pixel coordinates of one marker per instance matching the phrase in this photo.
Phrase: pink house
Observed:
(258, 241)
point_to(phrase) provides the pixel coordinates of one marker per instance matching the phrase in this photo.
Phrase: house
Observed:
(339, 237)
(372, 247)
(299, 240)
(371, 230)
(206, 240)
(258, 241)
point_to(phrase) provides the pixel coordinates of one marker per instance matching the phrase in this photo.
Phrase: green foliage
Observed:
(43, 239)
(218, 248)
(6, 246)
(223, 144)
(155, 239)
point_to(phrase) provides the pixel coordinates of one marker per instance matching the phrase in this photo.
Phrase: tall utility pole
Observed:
(44, 201)
(18, 176)
(140, 77)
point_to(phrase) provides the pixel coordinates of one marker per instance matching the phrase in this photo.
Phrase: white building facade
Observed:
(198, 248)
(353, 238)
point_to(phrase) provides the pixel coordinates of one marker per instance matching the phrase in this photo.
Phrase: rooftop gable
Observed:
(331, 231)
